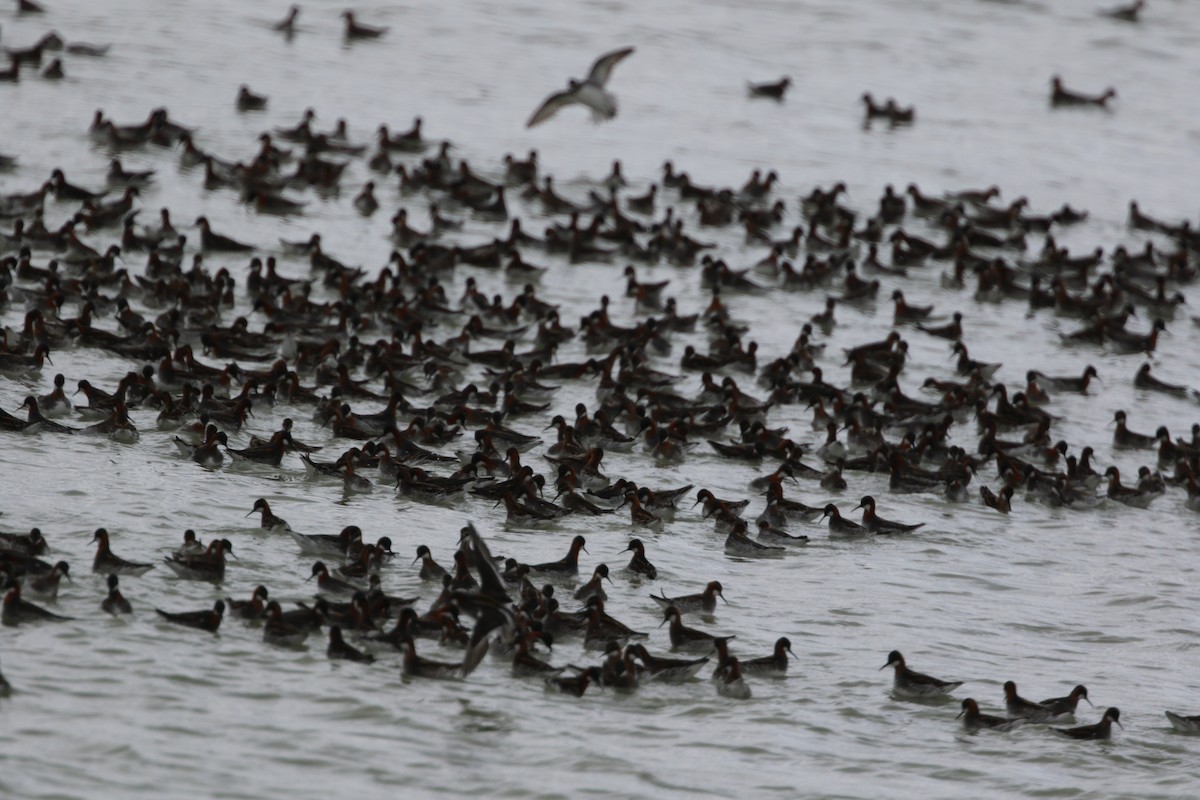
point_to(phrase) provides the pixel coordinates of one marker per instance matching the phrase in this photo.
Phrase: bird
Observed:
(704, 602)
(1127, 13)
(45, 586)
(1061, 96)
(208, 620)
(106, 563)
(1101, 730)
(16, 610)
(281, 632)
(914, 684)
(774, 91)
(1018, 706)
(339, 649)
(1066, 705)
(356, 30)
(774, 664)
(974, 720)
(287, 26)
(249, 101)
(731, 684)
(115, 603)
(590, 92)
(877, 524)
(1184, 724)
(639, 564)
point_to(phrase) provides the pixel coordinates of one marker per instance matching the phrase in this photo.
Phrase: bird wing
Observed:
(551, 106)
(602, 69)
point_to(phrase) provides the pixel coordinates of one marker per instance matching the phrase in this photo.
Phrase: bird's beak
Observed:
(956, 716)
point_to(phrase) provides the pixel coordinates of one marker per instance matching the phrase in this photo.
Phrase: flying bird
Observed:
(589, 92)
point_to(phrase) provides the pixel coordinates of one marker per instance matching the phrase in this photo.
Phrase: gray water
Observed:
(1048, 598)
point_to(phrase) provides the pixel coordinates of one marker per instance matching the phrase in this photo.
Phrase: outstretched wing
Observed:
(602, 69)
(551, 106)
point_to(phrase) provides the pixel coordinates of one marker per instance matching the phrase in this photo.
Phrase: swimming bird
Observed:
(952, 330)
(209, 620)
(574, 685)
(1127, 13)
(705, 601)
(249, 101)
(669, 670)
(974, 720)
(595, 585)
(1184, 724)
(1061, 96)
(287, 26)
(268, 521)
(191, 546)
(1101, 730)
(739, 543)
(45, 586)
(324, 544)
(329, 585)
(1066, 705)
(114, 602)
(914, 684)
(356, 30)
(251, 609)
(568, 564)
(418, 667)
(638, 563)
(30, 544)
(590, 91)
(1018, 706)
(16, 610)
(430, 569)
(279, 631)
(207, 566)
(775, 664)
(106, 563)
(1066, 383)
(774, 91)
(689, 639)
(731, 684)
(839, 525)
(877, 524)
(215, 242)
(1142, 380)
(771, 535)
(339, 649)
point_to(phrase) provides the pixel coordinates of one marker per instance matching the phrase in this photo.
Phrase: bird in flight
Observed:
(589, 92)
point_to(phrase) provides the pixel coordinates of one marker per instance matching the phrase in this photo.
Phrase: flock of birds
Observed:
(393, 361)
